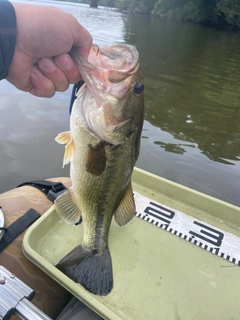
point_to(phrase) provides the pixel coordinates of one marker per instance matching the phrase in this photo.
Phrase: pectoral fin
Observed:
(65, 138)
(67, 209)
(126, 208)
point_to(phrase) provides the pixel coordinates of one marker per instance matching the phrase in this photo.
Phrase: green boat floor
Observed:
(157, 276)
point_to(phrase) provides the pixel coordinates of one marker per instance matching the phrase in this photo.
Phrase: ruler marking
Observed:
(197, 232)
(191, 239)
(161, 207)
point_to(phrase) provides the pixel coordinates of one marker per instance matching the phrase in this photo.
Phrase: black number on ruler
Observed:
(159, 214)
(214, 237)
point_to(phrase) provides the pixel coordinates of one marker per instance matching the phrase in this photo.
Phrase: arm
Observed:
(41, 64)
(7, 36)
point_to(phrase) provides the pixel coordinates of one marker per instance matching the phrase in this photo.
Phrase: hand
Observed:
(41, 64)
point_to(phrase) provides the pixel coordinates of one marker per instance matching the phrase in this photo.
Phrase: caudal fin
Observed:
(93, 270)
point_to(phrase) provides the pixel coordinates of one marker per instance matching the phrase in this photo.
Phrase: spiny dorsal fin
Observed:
(66, 208)
(126, 208)
(96, 159)
(65, 138)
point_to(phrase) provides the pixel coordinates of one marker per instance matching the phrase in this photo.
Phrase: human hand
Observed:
(41, 64)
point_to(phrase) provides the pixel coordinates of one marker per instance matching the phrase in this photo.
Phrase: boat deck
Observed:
(157, 275)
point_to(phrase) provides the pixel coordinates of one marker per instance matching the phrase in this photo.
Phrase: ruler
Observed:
(197, 232)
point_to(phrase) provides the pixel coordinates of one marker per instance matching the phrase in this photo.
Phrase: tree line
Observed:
(209, 12)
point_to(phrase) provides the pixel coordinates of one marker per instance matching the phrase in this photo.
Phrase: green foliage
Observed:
(215, 12)
(200, 11)
(123, 5)
(136, 6)
(81, 1)
(212, 12)
(171, 8)
(229, 10)
(107, 3)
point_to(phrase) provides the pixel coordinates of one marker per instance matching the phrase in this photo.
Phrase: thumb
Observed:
(82, 39)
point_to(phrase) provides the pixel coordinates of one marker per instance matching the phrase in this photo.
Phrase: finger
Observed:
(42, 86)
(54, 73)
(82, 39)
(69, 68)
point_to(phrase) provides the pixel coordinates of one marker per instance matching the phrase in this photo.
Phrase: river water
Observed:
(191, 131)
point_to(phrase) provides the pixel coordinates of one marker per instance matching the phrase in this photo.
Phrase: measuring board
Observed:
(197, 232)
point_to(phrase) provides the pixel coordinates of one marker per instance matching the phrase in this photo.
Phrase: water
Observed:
(191, 132)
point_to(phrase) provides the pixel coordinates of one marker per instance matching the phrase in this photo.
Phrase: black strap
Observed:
(51, 189)
(75, 89)
(17, 227)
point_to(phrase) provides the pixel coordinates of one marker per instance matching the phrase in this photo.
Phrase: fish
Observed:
(102, 147)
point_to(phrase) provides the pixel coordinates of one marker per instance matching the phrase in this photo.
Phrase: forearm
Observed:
(7, 36)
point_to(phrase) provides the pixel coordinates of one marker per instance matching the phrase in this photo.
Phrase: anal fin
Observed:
(126, 208)
(66, 208)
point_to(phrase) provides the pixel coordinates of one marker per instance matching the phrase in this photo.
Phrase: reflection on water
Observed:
(192, 122)
(192, 126)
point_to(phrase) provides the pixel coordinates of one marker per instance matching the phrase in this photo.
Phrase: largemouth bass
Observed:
(102, 145)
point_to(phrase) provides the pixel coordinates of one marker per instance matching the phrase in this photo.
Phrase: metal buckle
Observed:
(14, 296)
(56, 191)
(2, 223)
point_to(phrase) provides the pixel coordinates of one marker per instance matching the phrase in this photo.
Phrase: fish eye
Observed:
(138, 88)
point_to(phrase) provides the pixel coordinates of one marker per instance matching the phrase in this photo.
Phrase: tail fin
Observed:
(93, 270)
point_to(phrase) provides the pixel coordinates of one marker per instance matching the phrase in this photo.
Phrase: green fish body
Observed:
(102, 145)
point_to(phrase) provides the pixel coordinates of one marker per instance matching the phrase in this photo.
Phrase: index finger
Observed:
(82, 40)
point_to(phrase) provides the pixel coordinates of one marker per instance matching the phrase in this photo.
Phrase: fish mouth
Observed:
(108, 75)
(109, 69)
(121, 58)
